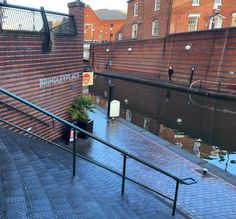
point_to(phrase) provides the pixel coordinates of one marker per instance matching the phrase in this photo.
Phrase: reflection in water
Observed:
(203, 126)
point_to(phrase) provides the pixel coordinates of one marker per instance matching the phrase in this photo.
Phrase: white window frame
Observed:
(155, 28)
(120, 36)
(196, 24)
(218, 20)
(136, 9)
(157, 6)
(134, 31)
(195, 2)
(233, 17)
(218, 2)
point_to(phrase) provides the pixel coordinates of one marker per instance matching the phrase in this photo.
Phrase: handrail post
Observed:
(123, 174)
(175, 199)
(200, 84)
(74, 154)
(219, 85)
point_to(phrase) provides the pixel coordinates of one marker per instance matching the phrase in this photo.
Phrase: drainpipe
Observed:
(168, 24)
(223, 53)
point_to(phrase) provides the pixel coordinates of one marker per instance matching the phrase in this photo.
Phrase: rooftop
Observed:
(106, 14)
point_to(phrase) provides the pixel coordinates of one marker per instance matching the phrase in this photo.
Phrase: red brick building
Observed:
(100, 28)
(192, 15)
(157, 18)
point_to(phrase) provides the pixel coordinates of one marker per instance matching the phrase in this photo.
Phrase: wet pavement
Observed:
(36, 178)
(154, 80)
(211, 197)
(36, 183)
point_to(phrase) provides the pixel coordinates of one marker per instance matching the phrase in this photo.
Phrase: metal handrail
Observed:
(32, 9)
(186, 181)
(218, 83)
(27, 114)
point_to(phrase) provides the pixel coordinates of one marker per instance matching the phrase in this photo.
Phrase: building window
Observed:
(136, 9)
(134, 31)
(157, 5)
(218, 2)
(155, 28)
(195, 2)
(88, 26)
(233, 24)
(192, 22)
(120, 36)
(216, 21)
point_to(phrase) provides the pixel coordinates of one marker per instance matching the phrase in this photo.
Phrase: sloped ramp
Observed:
(36, 182)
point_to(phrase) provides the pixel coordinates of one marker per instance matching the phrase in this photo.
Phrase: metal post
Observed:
(123, 174)
(74, 154)
(200, 84)
(176, 196)
(219, 85)
(46, 47)
(110, 85)
(191, 76)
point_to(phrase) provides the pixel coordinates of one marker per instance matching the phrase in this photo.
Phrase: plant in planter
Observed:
(79, 114)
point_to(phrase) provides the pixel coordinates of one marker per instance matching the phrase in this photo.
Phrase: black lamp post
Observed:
(192, 72)
(110, 86)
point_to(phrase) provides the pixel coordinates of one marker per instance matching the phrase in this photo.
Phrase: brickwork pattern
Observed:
(22, 66)
(212, 54)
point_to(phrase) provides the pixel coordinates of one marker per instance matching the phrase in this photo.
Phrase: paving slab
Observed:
(36, 182)
(211, 197)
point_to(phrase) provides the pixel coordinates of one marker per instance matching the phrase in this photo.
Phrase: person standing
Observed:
(170, 72)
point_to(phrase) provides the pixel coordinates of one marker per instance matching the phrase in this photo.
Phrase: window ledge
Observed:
(195, 5)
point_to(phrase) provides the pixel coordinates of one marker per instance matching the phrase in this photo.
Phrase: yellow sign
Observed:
(87, 78)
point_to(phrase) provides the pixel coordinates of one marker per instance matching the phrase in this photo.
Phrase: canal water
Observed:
(203, 126)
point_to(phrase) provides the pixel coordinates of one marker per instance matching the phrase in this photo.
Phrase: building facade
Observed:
(148, 19)
(99, 29)
(195, 15)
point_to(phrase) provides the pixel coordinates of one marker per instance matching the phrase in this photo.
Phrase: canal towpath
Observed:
(154, 80)
(210, 197)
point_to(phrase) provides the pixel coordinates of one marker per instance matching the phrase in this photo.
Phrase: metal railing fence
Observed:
(217, 86)
(21, 19)
(125, 154)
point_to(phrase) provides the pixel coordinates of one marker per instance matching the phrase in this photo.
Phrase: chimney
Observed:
(76, 9)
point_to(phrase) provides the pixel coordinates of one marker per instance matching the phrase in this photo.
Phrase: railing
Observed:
(23, 19)
(125, 154)
(212, 108)
(27, 114)
(217, 86)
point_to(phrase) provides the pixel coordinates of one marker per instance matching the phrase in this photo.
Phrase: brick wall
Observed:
(212, 53)
(23, 65)
(101, 27)
(173, 16)
(182, 8)
(146, 14)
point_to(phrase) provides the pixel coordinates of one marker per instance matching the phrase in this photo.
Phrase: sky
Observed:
(61, 5)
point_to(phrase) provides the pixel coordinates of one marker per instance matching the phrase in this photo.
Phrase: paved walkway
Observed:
(36, 183)
(211, 197)
(154, 80)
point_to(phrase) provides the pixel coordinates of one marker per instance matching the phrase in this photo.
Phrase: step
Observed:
(37, 183)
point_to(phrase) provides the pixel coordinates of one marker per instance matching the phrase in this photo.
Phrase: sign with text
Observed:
(87, 78)
(59, 79)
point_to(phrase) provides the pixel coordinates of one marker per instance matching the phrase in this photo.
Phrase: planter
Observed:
(85, 126)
